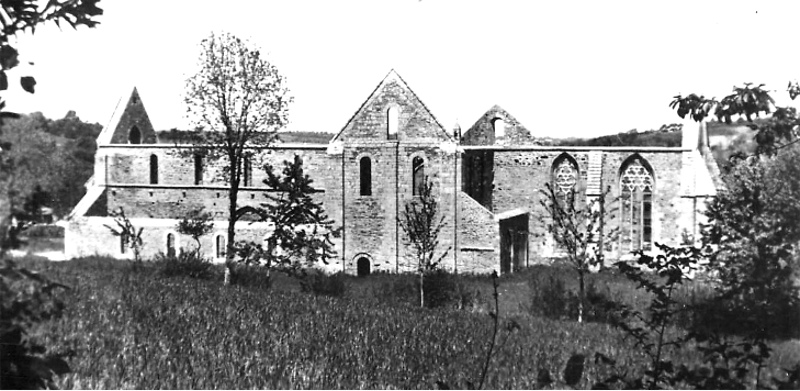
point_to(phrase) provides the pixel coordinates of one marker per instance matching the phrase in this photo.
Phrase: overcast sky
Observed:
(561, 68)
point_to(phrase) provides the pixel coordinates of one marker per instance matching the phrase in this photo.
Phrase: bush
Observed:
(43, 231)
(725, 316)
(320, 283)
(26, 300)
(446, 289)
(252, 276)
(186, 263)
(395, 288)
(550, 298)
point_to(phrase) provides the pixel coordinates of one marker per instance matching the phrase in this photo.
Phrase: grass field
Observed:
(134, 329)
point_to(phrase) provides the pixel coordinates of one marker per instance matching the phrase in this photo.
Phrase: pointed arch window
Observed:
(392, 122)
(153, 169)
(365, 168)
(636, 195)
(565, 177)
(418, 176)
(134, 135)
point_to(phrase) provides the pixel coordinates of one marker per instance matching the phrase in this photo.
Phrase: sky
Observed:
(562, 68)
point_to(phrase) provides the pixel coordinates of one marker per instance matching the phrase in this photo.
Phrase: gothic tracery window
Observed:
(565, 177)
(636, 193)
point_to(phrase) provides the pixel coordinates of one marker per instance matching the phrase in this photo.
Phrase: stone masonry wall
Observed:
(478, 237)
(520, 174)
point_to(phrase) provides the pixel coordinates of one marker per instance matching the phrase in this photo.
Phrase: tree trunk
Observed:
(5, 219)
(421, 290)
(581, 295)
(232, 198)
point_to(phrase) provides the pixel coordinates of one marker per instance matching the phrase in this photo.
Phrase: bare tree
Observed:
(240, 98)
(127, 232)
(577, 230)
(421, 224)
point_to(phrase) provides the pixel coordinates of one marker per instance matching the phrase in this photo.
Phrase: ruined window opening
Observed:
(392, 122)
(153, 169)
(418, 176)
(170, 245)
(363, 267)
(134, 135)
(366, 176)
(198, 169)
(499, 127)
(219, 246)
(247, 170)
(564, 178)
(636, 193)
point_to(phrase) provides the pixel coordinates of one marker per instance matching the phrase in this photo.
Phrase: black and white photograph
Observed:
(399, 194)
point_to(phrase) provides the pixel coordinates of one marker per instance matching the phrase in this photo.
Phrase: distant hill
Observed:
(305, 137)
(175, 136)
(724, 139)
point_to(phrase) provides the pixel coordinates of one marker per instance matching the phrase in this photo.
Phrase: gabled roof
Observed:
(391, 76)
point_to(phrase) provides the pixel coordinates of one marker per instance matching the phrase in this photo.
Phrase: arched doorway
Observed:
(362, 266)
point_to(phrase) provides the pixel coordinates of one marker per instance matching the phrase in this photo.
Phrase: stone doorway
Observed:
(513, 243)
(362, 266)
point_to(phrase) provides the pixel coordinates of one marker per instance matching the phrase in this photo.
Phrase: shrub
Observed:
(322, 284)
(550, 298)
(252, 276)
(186, 263)
(44, 231)
(446, 289)
(26, 299)
(395, 288)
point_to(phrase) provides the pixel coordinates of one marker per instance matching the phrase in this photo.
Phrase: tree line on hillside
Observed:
(176, 136)
(49, 161)
(665, 136)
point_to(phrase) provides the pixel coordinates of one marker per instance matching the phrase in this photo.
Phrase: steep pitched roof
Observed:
(391, 76)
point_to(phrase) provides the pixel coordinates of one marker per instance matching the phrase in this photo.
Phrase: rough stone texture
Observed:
(133, 114)
(483, 185)
(478, 238)
(482, 132)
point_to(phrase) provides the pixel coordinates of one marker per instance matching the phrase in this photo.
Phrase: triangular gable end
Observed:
(482, 131)
(129, 124)
(370, 120)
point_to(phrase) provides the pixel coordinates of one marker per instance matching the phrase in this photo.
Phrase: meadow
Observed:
(127, 327)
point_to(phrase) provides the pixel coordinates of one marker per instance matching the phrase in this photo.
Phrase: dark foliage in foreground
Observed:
(27, 298)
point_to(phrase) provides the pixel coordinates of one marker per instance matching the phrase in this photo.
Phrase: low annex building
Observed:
(487, 181)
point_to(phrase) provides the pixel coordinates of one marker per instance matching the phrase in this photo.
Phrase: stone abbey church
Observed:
(487, 181)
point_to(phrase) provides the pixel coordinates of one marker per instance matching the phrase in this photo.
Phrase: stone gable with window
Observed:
(487, 182)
